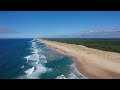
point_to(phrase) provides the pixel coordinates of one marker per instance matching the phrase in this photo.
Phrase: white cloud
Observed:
(99, 31)
(95, 33)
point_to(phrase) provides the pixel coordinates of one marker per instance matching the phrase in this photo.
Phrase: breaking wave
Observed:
(36, 60)
(77, 74)
(61, 77)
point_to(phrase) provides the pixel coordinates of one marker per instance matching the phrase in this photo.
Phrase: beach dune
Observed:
(92, 63)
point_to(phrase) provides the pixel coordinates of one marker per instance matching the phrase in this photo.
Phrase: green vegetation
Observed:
(97, 43)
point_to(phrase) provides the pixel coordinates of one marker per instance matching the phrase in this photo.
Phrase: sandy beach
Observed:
(92, 63)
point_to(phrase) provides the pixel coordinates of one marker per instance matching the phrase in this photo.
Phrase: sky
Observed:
(83, 24)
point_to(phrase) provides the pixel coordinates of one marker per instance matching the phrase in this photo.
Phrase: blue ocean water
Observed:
(31, 59)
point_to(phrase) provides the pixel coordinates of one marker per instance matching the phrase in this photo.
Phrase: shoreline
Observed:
(73, 58)
(75, 61)
(89, 66)
(77, 64)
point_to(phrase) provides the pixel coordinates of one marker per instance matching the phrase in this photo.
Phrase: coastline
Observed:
(88, 64)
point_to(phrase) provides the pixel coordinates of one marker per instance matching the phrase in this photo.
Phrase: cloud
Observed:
(100, 31)
(5, 30)
(95, 33)
(105, 32)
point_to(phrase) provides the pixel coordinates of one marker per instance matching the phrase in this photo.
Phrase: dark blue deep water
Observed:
(12, 53)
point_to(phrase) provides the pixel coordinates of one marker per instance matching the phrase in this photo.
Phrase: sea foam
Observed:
(35, 51)
(76, 72)
(43, 59)
(61, 77)
(72, 76)
(29, 71)
(33, 63)
(36, 60)
(22, 66)
(39, 69)
(34, 57)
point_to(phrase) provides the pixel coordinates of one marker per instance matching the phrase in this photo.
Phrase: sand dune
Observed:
(92, 63)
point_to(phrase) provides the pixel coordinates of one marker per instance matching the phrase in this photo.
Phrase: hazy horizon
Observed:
(60, 24)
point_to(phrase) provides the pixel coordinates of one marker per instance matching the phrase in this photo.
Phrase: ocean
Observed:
(31, 59)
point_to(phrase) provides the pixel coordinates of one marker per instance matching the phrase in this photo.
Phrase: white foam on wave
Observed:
(61, 77)
(39, 69)
(35, 60)
(35, 51)
(49, 69)
(40, 50)
(33, 44)
(72, 76)
(34, 57)
(32, 40)
(33, 63)
(22, 66)
(76, 72)
(43, 59)
(43, 56)
(33, 47)
(27, 58)
(29, 71)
